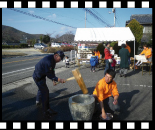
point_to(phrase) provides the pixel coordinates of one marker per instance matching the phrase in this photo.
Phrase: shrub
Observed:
(131, 44)
(113, 43)
(101, 48)
(116, 48)
(23, 45)
(54, 49)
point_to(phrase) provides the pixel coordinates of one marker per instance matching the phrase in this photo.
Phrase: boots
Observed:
(49, 113)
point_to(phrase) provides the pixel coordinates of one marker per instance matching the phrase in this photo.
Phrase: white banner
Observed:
(121, 42)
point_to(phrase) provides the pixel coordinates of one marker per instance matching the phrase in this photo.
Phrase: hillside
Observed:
(10, 34)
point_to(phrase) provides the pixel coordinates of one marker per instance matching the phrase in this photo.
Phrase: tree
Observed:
(136, 29)
(41, 38)
(101, 48)
(46, 39)
(57, 36)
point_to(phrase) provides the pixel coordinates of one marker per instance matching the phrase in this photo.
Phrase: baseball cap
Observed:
(61, 54)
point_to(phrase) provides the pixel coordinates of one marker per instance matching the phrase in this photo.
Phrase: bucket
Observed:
(82, 107)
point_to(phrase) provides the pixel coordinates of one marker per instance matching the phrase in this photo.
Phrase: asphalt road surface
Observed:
(19, 92)
(17, 68)
(135, 96)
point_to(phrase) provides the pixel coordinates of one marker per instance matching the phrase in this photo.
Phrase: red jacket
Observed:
(113, 63)
(107, 54)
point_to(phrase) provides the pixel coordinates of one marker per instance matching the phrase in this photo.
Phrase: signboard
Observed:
(121, 42)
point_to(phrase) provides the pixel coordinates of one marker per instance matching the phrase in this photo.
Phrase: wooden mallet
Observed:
(80, 81)
(71, 78)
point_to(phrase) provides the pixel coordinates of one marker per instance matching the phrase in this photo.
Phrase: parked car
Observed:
(40, 46)
(67, 44)
(62, 44)
(55, 45)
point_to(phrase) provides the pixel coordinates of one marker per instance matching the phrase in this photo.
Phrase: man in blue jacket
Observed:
(46, 67)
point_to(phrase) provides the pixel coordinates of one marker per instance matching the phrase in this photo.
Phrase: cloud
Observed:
(52, 16)
(65, 29)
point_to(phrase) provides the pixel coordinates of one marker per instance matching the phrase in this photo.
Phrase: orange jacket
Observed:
(128, 47)
(97, 54)
(104, 90)
(147, 51)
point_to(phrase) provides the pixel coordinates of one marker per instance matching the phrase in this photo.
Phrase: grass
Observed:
(12, 54)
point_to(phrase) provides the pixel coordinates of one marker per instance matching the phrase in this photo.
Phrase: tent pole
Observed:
(134, 55)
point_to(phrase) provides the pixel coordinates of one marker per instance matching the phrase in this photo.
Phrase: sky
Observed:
(68, 18)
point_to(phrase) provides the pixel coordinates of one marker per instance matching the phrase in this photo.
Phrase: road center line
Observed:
(21, 60)
(17, 70)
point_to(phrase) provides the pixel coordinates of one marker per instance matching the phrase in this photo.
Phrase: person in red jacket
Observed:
(107, 57)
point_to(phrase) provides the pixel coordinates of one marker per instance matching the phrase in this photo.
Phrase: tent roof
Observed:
(104, 34)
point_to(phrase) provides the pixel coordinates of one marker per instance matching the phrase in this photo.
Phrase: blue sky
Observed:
(74, 17)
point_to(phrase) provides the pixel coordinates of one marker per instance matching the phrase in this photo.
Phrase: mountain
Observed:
(10, 34)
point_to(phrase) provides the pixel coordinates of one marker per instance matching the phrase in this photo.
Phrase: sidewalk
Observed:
(135, 96)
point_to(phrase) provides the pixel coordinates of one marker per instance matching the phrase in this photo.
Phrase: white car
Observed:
(40, 46)
(55, 45)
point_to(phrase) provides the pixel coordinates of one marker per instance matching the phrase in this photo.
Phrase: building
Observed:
(146, 21)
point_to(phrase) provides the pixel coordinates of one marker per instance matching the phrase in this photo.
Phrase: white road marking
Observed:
(17, 71)
(134, 85)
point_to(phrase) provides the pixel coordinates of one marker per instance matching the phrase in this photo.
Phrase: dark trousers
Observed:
(108, 102)
(107, 66)
(43, 93)
(92, 68)
(113, 68)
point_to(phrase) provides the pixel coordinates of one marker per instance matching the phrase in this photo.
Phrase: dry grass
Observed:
(55, 49)
(8, 54)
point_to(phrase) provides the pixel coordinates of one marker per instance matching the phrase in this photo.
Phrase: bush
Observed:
(131, 44)
(55, 49)
(23, 45)
(116, 48)
(101, 48)
(113, 43)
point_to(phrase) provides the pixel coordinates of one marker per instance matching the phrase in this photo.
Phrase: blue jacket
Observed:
(93, 60)
(45, 67)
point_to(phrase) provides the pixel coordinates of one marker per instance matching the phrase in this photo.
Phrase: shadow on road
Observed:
(25, 108)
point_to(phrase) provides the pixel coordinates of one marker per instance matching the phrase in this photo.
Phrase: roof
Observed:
(104, 34)
(141, 18)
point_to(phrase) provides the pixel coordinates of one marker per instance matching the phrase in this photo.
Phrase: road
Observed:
(18, 98)
(18, 68)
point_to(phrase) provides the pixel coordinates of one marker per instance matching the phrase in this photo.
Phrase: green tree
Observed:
(41, 38)
(100, 48)
(136, 29)
(46, 39)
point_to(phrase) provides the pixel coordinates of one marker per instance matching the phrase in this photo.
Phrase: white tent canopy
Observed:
(104, 34)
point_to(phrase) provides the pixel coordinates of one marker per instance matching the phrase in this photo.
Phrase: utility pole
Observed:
(113, 10)
(85, 18)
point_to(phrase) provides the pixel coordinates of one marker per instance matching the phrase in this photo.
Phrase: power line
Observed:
(36, 16)
(96, 17)
(100, 15)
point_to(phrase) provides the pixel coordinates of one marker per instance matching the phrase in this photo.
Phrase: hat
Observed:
(61, 54)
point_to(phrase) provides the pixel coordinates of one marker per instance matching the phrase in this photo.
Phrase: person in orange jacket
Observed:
(148, 55)
(129, 49)
(105, 88)
(97, 53)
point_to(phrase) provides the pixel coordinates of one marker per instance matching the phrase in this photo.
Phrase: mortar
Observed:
(82, 106)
